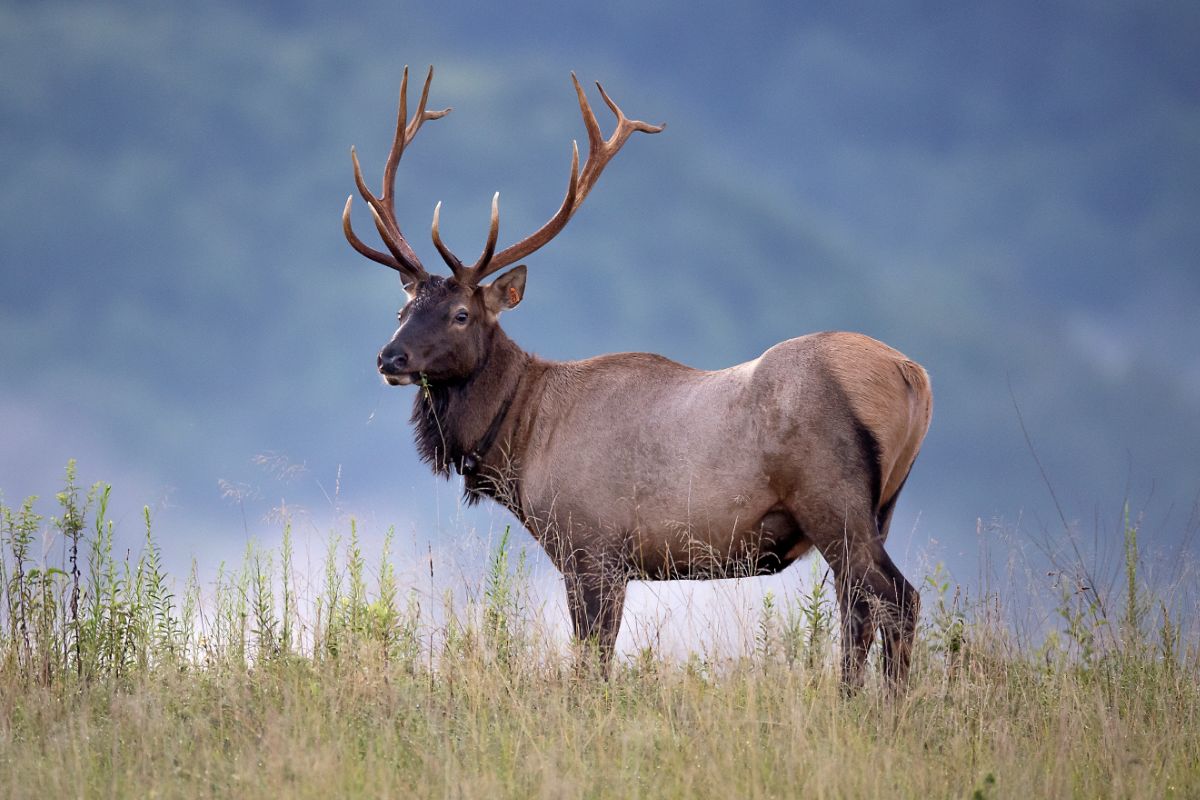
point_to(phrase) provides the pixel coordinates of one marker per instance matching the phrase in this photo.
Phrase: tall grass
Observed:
(117, 681)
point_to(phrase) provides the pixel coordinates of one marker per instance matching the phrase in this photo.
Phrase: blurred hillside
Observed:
(1008, 194)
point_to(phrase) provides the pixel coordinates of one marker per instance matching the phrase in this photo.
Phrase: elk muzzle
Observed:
(394, 367)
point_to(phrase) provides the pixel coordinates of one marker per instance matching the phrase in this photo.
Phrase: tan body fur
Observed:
(632, 466)
(646, 459)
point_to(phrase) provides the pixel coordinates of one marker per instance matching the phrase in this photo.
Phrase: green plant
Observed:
(765, 637)
(809, 624)
(133, 694)
(947, 623)
(501, 602)
(1132, 638)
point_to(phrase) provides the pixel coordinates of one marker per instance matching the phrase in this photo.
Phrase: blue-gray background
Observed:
(1009, 193)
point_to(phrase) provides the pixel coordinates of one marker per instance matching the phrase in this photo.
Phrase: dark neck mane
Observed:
(463, 424)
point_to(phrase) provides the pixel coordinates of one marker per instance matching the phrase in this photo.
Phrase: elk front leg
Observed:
(595, 599)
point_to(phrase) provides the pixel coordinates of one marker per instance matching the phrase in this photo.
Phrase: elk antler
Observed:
(383, 208)
(600, 152)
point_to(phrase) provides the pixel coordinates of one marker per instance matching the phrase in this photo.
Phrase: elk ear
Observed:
(506, 291)
(410, 286)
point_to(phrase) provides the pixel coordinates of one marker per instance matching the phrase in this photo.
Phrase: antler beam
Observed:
(400, 255)
(600, 152)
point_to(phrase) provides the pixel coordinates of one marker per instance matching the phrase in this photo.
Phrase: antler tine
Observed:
(406, 130)
(385, 223)
(595, 138)
(600, 152)
(468, 275)
(357, 244)
(422, 115)
(624, 121)
(493, 233)
(388, 191)
(544, 234)
(452, 261)
(383, 208)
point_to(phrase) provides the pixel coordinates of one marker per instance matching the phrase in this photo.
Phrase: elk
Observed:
(630, 466)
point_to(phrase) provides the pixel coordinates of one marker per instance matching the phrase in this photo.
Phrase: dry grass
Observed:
(353, 690)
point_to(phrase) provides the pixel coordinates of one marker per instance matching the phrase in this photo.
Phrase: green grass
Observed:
(113, 685)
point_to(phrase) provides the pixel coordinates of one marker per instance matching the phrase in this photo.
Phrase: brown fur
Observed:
(632, 466)
(872, 386)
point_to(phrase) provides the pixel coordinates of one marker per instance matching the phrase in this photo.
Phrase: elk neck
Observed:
(468, 424)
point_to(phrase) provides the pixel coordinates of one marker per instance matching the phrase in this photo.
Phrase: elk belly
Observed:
(698, 551)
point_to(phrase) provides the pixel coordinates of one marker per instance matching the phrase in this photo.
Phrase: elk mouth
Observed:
(403, 379)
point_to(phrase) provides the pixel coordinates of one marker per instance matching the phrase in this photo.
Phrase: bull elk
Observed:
(632, 466)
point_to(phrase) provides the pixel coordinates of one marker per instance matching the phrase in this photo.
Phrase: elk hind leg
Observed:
(901, 608)
(844, 540)
(858, 626)
(904, 601)
(872, 594)
(880, 598)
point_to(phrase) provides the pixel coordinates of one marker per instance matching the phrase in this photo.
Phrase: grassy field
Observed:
(118, 681)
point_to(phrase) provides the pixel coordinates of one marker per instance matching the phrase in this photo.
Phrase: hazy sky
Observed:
(1008, 193)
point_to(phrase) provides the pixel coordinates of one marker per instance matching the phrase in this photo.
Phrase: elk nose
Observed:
(393, 363)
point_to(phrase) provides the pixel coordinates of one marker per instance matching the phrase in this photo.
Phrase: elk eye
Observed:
(461, 316)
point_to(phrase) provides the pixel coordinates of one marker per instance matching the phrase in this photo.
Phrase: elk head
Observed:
(448, 324)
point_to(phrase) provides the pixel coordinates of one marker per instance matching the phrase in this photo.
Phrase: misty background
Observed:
(1008, 193)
